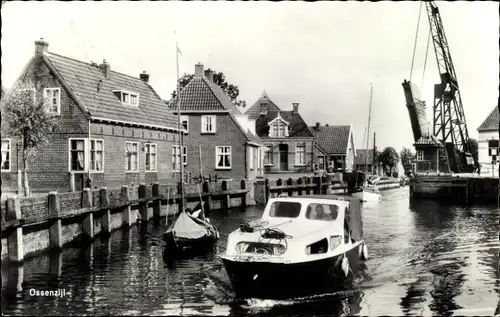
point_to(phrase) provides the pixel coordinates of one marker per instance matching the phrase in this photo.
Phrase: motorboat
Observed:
(367, 193)
(301, 246)
(191, 230)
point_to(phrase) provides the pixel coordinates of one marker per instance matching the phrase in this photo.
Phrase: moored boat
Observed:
(301, 246)
(367, 193)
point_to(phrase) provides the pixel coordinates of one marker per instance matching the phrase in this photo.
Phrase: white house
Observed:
(488, 143)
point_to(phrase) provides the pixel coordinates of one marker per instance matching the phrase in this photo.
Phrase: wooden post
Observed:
(208, 199)
(156, 203)
(243, 185)
(279, 182)
(324, 185)
(308, 188)
(226, 199)
(88, 221)
(55, 263)
(267, 189)
(127, 212)
(299, 182)
(289, 182)
(72, 181)
(106, 217)
(55, 232)
(15, 238)
(143, 206)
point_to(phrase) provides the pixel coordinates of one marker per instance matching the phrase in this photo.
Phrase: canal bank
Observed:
(31, 225)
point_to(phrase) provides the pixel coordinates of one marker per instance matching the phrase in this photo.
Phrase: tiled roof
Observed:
(333, 139)
(254, 111)
(428, 140)
(361, 154)
(200, 94)
(83, 80)
(491, 122)
(298, 127)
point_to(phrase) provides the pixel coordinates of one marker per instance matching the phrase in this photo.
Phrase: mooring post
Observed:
(243, 186)
(279, 182)
(267, 191)
(143, 206)
(55, 263)
(289, 182)
(308, 183)
(299, 182)
(127, 211)
(106, 216)
(15, 238)
(88, 221)
(157, 202)
(226, 199)
(55, 232)
(208, 196)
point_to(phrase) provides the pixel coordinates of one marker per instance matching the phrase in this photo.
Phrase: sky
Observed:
(323, 55)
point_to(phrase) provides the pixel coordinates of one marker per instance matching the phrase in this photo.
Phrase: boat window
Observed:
(285, 209)
(325, 212)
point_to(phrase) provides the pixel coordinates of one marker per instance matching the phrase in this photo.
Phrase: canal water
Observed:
(425, 259)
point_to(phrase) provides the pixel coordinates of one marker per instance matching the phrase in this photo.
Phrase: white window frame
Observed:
(177, 155)
(300, 154)
(9, 151)
(147, 150)
(48, 98)
(278, 123)
(268, 156)
(204, 124)
(217, 154)
(123, 93)
(420, 155)
(137, 157)
(250, 163)
(85, 155)
(185, 118)
(92, 170)
(260, 158)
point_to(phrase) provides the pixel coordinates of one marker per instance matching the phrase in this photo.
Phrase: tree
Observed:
(389, 157)
(27, 118)
(219, 79)
(474, 150)
(407, 159)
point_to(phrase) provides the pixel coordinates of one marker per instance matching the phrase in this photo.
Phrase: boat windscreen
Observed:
(285, 209)
(324, 212)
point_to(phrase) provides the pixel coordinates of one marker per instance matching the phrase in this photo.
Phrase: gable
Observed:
(297, 125)
(264, 103)
(491, 122)
(333, 139)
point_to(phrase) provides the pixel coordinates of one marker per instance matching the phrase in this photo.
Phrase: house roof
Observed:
(200, 94)
(264, 101)
(83, 78)
(491, 122)
(361, 155)
(333, 139)
(297, 125)
(428, 140)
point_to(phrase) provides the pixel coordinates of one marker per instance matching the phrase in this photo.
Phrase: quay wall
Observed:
(34, 224)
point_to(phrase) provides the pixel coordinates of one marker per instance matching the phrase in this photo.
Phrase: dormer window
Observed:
(127, 97)
(278, 128)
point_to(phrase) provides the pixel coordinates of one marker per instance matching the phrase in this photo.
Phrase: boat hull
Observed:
(366, 196)
(266, 280)
(204, 242)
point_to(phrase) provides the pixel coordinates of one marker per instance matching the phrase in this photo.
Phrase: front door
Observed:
(283, 157)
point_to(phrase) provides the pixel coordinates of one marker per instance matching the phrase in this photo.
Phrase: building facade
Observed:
(220, 140)
(488, 142)
(112, 128)
(335, 146)
(289, 142)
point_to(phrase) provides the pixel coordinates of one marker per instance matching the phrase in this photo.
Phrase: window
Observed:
(278, 128)
(132, 153)
(77, 155)
(285, 209)
(223, 157)
(6, 158)
(150, 149)
(127, 97)
(420, 155)
(324, 212)
(208, 124)
(259, 159)
(321, 162)
(300, 155)
(250, 149)
(176, 157)
(53, 100)
(268, 156)
(96, 155)
(185, 122)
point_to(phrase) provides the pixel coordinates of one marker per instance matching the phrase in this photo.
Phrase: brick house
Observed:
(488, 143)
(335, 145)
(220, 141)
(288, 138)
(112, 128)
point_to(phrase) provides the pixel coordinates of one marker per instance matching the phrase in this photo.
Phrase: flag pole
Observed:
(181, 164)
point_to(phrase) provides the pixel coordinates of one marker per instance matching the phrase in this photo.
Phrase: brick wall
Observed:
(227, 133)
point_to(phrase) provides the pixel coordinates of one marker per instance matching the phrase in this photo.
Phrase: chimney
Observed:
(104, 67)
(41, 47)
(295, 107)
(262, 107)
(209, 74)
(144, 77)
(198, 70)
